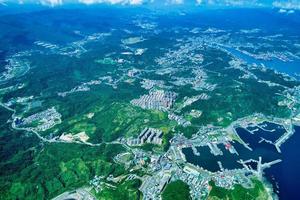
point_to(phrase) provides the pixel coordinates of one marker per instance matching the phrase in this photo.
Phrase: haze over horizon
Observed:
(288, 5)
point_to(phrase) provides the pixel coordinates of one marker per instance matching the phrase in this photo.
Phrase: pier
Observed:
(215, 149)
(195, 151)
(260, 166)
(283, 139)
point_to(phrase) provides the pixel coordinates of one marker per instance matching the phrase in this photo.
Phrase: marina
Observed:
(261, 158)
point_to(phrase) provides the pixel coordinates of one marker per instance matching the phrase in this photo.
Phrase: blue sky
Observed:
(283, 4)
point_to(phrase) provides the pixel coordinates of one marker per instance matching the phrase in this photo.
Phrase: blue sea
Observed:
(287, 173)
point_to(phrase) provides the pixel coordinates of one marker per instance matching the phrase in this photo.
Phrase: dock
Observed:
(283, 139)
(195, 151)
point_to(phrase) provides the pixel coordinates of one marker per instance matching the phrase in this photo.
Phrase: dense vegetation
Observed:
(125, 190)
(239, 192)
(176, 190)
(50, 169)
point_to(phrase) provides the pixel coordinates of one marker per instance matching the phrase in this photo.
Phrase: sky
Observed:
(281, 4)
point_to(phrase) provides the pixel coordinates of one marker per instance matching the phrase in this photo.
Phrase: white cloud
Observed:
(198, 1)
(291, 11)
(3, 2)
(176, 1)
(51, 2)
(284, 11)
(131, 2)
(229, 2)
(287, 4)
(136, 2)
(281, 10)
(88, 2)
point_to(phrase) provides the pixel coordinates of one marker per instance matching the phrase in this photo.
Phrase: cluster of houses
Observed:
(148, 135)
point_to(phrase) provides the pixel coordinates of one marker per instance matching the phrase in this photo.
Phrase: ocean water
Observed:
(285, 176)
